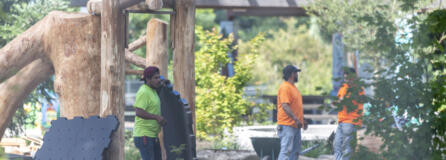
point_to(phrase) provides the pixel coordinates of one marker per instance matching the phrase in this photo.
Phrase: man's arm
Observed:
(287, 109)
(146, 115)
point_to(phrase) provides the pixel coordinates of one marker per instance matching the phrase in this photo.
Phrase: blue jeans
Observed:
(290, 141)
(341, 145)
(148, 147)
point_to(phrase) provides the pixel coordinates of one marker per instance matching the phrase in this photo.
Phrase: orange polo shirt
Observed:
(288, 93)
(350, 117)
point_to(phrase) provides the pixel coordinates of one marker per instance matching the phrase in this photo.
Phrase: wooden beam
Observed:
(135, 59)
(156, 50)
(137, 43)
(123, 4)
(113, 73)
(183, 50)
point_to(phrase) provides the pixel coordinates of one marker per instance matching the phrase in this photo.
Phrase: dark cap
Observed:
(149, 72)
(291, 68)
(288, 70)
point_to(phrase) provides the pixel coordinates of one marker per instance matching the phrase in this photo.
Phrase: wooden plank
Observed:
(183, 50)
(113, 73)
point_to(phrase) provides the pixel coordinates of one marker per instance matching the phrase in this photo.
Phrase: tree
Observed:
(219, 101)
(20, 15)
(298, 44)
(405, 83)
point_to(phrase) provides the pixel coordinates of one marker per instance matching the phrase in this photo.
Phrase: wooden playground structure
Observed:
(88, 54)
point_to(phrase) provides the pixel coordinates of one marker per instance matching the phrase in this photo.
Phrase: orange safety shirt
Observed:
(288, 93)
(350, 117)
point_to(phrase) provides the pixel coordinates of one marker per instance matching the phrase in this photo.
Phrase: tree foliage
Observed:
(219, 102)
(407, 50)
(298, 44)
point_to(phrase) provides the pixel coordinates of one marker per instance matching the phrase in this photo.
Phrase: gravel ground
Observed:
(209, 154)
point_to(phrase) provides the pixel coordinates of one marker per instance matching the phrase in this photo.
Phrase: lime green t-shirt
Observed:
(148, 100)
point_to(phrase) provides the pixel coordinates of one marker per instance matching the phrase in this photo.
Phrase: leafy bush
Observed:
(407, 50)
(131, 152)
(219, 102)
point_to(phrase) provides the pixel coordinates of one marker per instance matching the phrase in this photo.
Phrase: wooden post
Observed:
(183, 52)
(157, 55)
(113, 73)
(156, 45)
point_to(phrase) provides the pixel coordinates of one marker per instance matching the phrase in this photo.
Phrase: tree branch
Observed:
(138, 43)
(14, 90)
(134, 59)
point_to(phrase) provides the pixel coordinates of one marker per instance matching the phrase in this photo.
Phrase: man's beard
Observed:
(295, 79)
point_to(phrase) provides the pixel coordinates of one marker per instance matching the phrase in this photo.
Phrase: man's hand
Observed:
(298, 124)
(161, 121)
(305, 125)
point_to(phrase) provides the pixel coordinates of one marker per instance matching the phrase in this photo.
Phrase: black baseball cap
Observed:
(288, 70)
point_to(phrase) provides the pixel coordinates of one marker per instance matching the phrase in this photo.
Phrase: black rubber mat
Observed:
(77, 139)
(178, 138)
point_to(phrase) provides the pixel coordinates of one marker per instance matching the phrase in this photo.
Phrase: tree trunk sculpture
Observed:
(64, 44)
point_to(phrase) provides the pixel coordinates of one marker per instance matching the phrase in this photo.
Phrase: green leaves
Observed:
(27, 14)
(219, 103)
(299, 45)
(407, 49)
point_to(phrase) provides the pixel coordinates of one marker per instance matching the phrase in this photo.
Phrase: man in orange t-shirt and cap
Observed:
(348, 121)
(290, 115)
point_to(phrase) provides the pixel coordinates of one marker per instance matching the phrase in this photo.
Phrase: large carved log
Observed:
(14, 90)
(73, 45)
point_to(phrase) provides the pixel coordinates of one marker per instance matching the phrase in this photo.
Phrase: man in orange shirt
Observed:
(348, 121)
(290, 115)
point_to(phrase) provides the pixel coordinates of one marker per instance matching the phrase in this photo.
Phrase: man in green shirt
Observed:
(148, 117)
